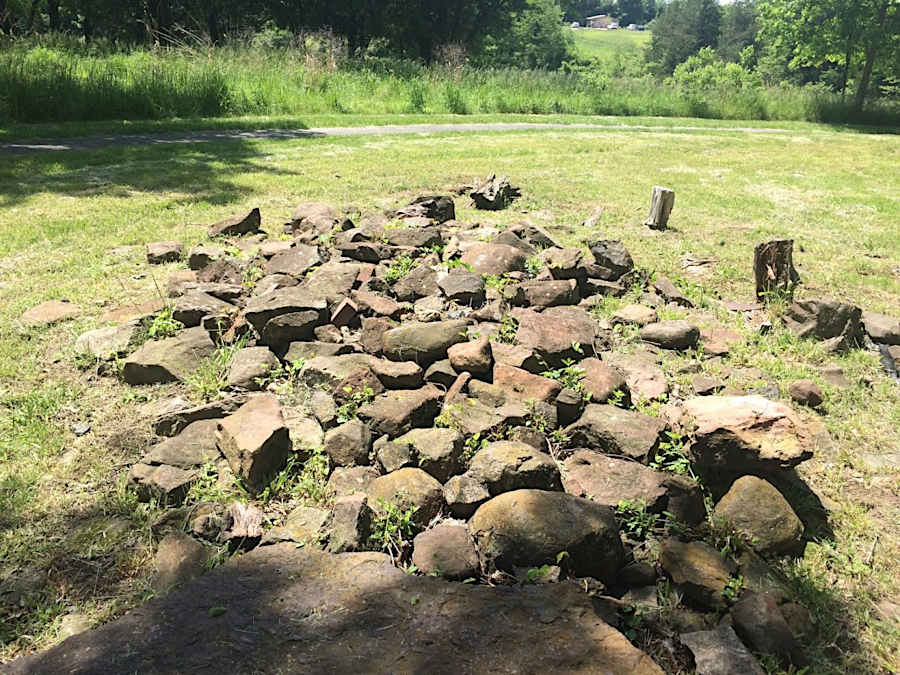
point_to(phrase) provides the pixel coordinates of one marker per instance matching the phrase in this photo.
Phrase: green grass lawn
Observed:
(70, 536)
(605, 44)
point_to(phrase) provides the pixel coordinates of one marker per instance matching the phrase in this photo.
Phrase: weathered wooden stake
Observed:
(773, 268)
(661, 204)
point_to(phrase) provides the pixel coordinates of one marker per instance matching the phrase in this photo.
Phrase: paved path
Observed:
(101, 142)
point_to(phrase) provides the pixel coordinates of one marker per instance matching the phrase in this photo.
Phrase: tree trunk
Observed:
(773, 268)
(215, 35)
(871, 51)
(846, 77)
(661, 204)
(53, 14)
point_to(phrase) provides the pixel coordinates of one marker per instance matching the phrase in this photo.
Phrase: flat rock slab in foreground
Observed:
(290, 610)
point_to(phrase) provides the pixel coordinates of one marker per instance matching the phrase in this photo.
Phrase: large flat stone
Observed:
(169, 360)
(311, 612)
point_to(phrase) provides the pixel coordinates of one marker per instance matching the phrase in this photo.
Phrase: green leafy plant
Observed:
(355, 400)
(393, 528)
(634, 518)
(537, 574)
(671, 456)
(495, 281)
(163, 325)
(474, 443)
(399, 268)
(288, 371)
(211, 376)
(733, 588)
(533, 266)
(509, 326)
(252, 274)
(570, 375)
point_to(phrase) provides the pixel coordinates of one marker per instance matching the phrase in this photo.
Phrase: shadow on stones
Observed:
(283, 609)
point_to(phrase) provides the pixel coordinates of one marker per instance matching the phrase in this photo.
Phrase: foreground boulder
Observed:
(452, 628)
(255, 440)
(531, 528)
(699, 571)
(170, 360)
(446, 551)
(740, 434)
(755, 508)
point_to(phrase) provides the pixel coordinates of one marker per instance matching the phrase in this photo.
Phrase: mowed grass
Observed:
(605, 44)
(71, 537)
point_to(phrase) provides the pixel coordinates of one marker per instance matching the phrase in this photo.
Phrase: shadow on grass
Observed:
(197, 171)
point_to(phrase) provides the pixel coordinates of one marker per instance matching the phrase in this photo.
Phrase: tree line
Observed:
(847, 45)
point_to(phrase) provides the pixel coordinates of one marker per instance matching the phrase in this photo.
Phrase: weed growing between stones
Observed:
(393, 529)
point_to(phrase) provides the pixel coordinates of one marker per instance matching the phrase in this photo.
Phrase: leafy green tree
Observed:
(536, 38)
(630, 11)
(682, 30)
(739, 30)
(856, 34)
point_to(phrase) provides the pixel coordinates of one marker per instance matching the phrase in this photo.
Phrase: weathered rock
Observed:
(222, 271)
(191, 307)
(334, 280)
(173, 421)
(439, 208)
(677, 335)
(612, 255)
(720, 652)
(348, 480)
(160, 252)
(107, 343)
(304, 430)
(756, 508)
(699, 571)
(463, 287)
(190, 449)
(494, 194)
(740, 433)
(517, 357)
(371, 338)
(398, 374)
(255, 440)
(509, 238)
(423, 343)
(349, 444)
(407, 489)
(360, 382)
(614, 431)
(446, 551)
(420, 283)
(635, 314)
(441, 373)
(464, 494)
(247, 223)
(296, 299)
(706, 386)
(201, 256)
(510, 465)
(294, 262)
(73, 624)
(563, 263)
(548, 293)
(438, 452)
(249, 366)
(164, 483)
(131, 312)
(882, 328)
(169, 360)
(524, 386)
(806, 392)
(530, 528)
(304, 525)
(495, 259)
(603, 383)
(474, 357)
(644, 378)
(825, 320)
(474, 417)
(671, 293)
(553, 333)
(371, 304)
(292, 327)
(48, 313)
(607, 481)
(242, 527)
(395, 413)
(178, 559)
(761, 627)
(320, 219)
(329, 371)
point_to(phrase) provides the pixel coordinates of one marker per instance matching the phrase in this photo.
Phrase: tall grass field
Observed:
(69, 82)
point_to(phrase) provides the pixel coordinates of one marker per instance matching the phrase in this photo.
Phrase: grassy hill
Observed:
(605, 43)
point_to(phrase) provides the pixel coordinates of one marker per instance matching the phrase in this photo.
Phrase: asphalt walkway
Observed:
(105, 142)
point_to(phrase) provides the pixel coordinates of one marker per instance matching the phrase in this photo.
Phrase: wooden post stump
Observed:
(661, 204)
(773, 268)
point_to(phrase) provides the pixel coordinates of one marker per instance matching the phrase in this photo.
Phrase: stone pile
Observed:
(456, 373)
